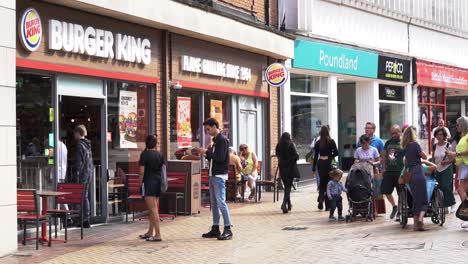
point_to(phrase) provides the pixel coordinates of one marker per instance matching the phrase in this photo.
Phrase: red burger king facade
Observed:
(124, 81)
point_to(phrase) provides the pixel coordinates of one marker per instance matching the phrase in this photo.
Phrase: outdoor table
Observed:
(44, 195)
(116, 193)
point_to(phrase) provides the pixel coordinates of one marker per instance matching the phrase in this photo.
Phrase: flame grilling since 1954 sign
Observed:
(276, 74)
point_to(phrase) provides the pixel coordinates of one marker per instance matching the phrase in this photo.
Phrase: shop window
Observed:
(34, 130)
(432, 108)
(218, 106)
(189, 133)
(128, 121)
(390, 114)
(308, 114)
(309, 84)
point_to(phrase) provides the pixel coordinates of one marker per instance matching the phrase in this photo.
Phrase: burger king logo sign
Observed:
(30, 29)
(276, 74)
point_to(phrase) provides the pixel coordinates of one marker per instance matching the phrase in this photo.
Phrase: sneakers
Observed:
(464, 224)
(394, 211)
(341, 218)
(227, 234)
(331, 219)
(214, 232)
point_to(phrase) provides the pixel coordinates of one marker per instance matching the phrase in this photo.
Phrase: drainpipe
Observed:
(267, 12)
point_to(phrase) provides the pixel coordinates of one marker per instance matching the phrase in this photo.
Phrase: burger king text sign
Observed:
(276, 74)
(30, 29)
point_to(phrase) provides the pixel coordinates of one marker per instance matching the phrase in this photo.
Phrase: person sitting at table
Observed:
(180, 153)
(249, 167)
(194, 155)
(235, 160)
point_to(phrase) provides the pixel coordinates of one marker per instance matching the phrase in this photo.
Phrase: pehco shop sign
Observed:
(77, 39)
(394, 69)
(215, 68)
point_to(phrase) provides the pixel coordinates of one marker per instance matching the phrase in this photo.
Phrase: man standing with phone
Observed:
(218, 158)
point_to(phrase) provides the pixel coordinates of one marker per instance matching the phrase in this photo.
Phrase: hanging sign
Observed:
(276, 74)
(184, 126)
(30, 29)
(128, 119)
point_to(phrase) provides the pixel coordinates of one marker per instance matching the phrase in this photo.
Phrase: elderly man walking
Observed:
(392, 165)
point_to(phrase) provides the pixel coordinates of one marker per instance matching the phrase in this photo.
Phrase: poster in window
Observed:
(184, 126)
(128, 119)
(216, 111)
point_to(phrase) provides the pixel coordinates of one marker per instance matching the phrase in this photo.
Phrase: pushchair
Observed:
(436, 203)
(359, 192)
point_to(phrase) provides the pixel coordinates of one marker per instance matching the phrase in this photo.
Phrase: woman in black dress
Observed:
(325, 152)
(287, 157)
(151, 162)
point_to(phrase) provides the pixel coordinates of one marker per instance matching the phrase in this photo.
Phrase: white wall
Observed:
(376, 29)
(7, 128)
(367, 105)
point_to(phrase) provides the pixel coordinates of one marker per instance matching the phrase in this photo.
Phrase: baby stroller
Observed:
(436, 203)
(359, 192)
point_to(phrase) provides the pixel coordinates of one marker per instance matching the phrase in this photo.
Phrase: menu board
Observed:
(184, 126)
(128, 119)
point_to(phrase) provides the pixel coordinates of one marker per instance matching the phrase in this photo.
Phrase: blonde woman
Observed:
(461, 156)
(249, 165)
(413, 155)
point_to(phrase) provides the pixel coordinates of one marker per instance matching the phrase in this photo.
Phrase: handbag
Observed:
(310, 156)
(462, 211)
(164, 180)
(406, 178)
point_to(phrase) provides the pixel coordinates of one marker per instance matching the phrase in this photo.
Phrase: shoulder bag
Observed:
(164, 180)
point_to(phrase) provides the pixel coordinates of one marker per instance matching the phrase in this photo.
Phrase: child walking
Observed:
(334, 190)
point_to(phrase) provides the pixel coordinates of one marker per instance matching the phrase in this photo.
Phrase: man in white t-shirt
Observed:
(441, 124)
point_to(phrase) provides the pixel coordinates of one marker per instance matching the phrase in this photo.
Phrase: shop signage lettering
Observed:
(438, 75)
(215, 68)
(30, 29)
(75, 38)
(276, 74)
(394, 69)
(392, 93)
(328, 58)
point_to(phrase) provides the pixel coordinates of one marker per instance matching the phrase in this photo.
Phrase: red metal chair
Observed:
(132, 185)
(178, 188)
(29, 213)
(75, 198)
(205, 184)
(271, 182)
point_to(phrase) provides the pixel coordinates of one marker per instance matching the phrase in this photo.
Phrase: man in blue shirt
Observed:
(376, 141)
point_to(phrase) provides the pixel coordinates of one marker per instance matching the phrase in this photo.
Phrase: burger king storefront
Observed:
(78, 68)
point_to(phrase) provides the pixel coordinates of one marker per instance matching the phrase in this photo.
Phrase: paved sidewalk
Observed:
(259, 237)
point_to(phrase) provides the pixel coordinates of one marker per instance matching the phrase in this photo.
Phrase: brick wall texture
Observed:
(255, 8)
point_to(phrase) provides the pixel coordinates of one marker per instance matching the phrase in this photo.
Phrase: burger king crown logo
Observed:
(276, 74)
(30, 29)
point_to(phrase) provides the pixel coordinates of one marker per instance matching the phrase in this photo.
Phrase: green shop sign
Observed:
(328, 58)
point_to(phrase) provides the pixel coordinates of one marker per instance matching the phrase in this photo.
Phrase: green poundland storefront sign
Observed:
(328, 58)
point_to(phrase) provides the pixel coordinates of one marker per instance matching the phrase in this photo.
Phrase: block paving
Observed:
(262, 234)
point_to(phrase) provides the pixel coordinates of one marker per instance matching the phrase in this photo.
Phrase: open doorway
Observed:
(346, 123)
(74, 111)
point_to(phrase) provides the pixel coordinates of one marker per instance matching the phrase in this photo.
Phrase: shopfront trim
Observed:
(224, 89)
(22, 63)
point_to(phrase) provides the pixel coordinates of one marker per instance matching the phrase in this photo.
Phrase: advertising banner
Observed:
(216, 111)
(438, 75)
(184, 126)
(128, 119)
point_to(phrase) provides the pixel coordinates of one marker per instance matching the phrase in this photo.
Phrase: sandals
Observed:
(153, 239)
(144, 236)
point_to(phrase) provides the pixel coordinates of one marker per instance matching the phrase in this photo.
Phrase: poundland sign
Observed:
(329, 58)
(91, 41)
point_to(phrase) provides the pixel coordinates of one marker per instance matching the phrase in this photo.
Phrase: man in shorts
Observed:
(392, 165)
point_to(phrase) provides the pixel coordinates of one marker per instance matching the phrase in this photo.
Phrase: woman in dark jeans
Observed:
(287, 157)
(326, 148)
(413, 155)
(151, 162)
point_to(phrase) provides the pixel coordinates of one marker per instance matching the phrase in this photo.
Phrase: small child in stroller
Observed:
(334, 190)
